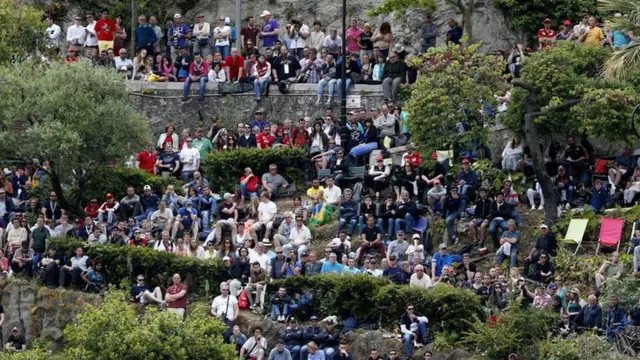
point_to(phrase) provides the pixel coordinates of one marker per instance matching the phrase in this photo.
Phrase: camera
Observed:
(295, 22)
(288, 260)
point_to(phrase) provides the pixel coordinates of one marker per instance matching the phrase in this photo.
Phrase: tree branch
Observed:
(520, 84)
(567, 104)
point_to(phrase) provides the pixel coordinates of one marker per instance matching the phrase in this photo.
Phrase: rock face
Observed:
(41, 312)
(489, 24)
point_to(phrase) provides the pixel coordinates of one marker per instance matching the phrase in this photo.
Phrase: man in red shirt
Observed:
(176, 297)
(249, 184)
(234, 66)
(198, 71)
(265, 139)
(105, 30)
(146, 159)
(546, 35)
(412, 157)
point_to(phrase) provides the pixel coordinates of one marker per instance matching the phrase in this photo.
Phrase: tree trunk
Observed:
(548, 190)
(56, 185)
(467, 19)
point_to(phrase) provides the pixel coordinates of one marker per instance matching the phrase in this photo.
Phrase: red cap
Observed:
(109, 196)
(547, 20)
(567, 23)
(465, 161)
(379, 158)
(434, 155)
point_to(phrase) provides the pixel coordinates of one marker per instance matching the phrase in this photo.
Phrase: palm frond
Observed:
(623, 62)
(627, 7)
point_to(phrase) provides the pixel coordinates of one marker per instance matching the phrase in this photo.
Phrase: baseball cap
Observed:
(552, 287)
(379, 158)
(567, 23)
(226, 196)
(400, 232)
(351, 113)
(14, 329)
(416, 236)
(146, 187)
(442, 246)
(177, 16)
(109, 196)
(544, 226)
(330, 321)
(304, 254)
(465, 161)
(265, 13)
(293, 320)
(547, 20)
(52, 246)
(313, 317)
(392, 258)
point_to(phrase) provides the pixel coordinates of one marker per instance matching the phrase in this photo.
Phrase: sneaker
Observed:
(455, 240)
(184, 99)
(319, 100)
(328, 101)
(533, 207)
(541, 207)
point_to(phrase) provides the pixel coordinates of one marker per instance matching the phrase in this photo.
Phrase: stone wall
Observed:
(161, 102)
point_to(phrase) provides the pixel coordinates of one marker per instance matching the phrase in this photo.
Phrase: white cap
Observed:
(226, 196)
(265, 13)
(146, 187)
(227, 20)
(177, 16)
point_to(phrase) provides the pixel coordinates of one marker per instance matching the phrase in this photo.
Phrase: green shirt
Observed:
(204, 146)
(40, 237)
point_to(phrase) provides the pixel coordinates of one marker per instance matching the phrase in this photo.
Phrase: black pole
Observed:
(343, 76)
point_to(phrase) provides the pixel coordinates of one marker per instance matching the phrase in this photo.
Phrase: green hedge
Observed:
(223, 169)
(116, 181)
(373, 299)
(123, 263)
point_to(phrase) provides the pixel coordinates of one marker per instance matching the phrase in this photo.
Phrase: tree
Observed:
(625, 61)
(76, 116)
(22, 26)
(458, 83)
(566, 78)
(115, 331)
(527, 16)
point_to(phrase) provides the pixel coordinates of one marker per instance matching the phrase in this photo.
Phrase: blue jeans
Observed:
(339, 85)
(514, 256)
(144, 215)
(224, 50)
(493, 230)
(408, 223)
(390, 233)
(570, 190)
(275, 311)
(323, 83)
(352, 225)
(463, 189)
(328, 353)
(294, 350)
(245, 193)
(450, 221)
(259, 85)
(379, 223)
(187, 86)
(407, 339)
(515, 216)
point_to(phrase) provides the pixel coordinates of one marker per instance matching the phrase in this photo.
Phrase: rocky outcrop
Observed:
(40, 312)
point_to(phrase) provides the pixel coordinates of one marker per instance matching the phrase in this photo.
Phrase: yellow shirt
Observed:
(311, 193)
(594, 36)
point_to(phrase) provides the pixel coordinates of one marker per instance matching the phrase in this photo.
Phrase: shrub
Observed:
(224, 168)
(124, 262)
(116, 181)
(586, 346)
(376, 300)
(515, 330)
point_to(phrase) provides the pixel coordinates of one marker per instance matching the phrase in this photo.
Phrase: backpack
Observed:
(243, 300)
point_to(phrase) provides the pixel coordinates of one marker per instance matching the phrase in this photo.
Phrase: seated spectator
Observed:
(482, 215)
(248, 185)
(123, 64)
(267, 211)
(413, 326)
(255, 347)
(467, 268)
(15, 342)
(575, 158)
(258, 284)
(403, 214)
(23, 260)
(609, 271)
(624, 163)
(94, 278)
(75, 270)
(616, 318)
(419, 278)
(183, 64)
(261, 73)
(439, 260)
(348, 213)
(332, 265)
(228, 217)
(237, 338)
(293, 338)
(510, 196)
(377, 176)
(394, 73)
(162, 219)
(454, 205)
(141, 293)
(543, 270)
(280, 305)
(590, 316)
(16, 236)
(272, 182)
(198, 72)
(633, 188)
(533, 193)
(109, 210)
(512, 153)
(500, 214)
(509, 243)
(467, 178)
(186, 220)
(280, 352)
(599, 197)
(176, 297)
(546, 243)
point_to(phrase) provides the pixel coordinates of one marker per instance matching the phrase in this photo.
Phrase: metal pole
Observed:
(239, 22)
(133, 28)
(343, 76)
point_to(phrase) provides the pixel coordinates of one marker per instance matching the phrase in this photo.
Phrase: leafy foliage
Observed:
(516, 329)
(116, 181)
(123, 263)
(21, 26)
(115, 331)
(527, 16)
(77, 116)
(624, 62)
(224, 168)
(586, 346)
(571, 71)
(385, 302)
(450, 94)
(627, 292)
(400, 6)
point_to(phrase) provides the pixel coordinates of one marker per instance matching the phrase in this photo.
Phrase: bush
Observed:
(123, 263)
(224, 168)
(515, 330)
(376, 300)
(115, 331)
(116, 181)
(586, 346)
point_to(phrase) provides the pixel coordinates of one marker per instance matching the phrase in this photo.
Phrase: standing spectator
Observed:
(333, 44)
(270, 30)
(76, 34)
(394, 73)
(221, 35)
(54, 32)
(225, 308)
(546, 35)
(153, 22)
(428, 33)
(145, 36)
(178, 36)
(190, 159)
(285, 69)
(91, 40)
(383, 39)
(316, 38)
(176, 296)
(202, 34)
(593, 35)
(105, 29)
(299, 33)
(198, 72)
(352, 36)
(249, 33)
(120, 35)
(454, 33)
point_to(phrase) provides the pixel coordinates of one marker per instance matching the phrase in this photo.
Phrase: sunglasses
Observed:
(140, 279)
(225, 289)
(409, 309)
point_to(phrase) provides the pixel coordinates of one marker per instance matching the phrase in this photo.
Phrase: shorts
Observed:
(479, 221)
(104, 45)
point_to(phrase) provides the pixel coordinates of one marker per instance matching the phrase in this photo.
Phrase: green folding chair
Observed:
(575, 233)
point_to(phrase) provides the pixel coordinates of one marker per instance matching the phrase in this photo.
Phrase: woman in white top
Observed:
(202, 32)
(16, 236)
(221, 37)
(512, 153)
(217, 74)
(633, 189)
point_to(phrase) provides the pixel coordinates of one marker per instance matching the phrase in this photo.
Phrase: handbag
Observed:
(203, 41)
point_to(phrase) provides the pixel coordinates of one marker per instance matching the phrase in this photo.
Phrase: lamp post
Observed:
(343, 75)
(239, 22)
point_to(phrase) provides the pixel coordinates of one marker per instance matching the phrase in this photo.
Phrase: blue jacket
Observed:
(470, 178)
(150, 203)
(145, 35)
(599, 198)
(452, 205)
(589, 317)
(208, 204)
